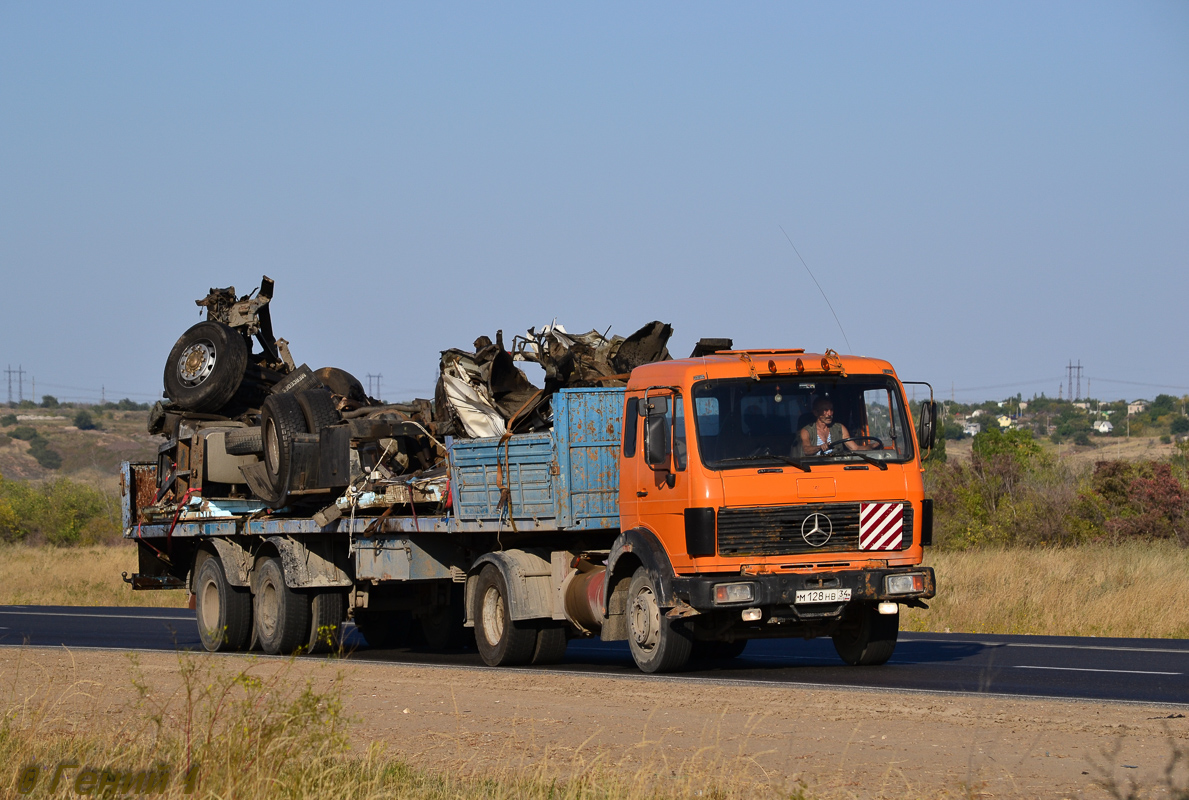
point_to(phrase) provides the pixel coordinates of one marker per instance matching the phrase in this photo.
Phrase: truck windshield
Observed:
(742, 421)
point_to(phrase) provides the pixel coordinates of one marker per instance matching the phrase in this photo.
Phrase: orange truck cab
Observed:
(767, 493)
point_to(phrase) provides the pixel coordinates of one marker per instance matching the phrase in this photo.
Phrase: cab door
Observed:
(663, 485)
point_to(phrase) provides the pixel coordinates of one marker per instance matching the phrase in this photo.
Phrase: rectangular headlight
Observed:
(734, 593)
(904, 584)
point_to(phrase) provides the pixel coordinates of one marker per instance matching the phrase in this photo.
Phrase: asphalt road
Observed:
(1138, 670)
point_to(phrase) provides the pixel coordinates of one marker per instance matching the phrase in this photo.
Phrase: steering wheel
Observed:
(878, 443)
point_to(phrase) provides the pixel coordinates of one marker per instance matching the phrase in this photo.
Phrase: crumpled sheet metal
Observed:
(484, 392)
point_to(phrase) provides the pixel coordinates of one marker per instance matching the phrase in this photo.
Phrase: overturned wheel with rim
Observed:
(658, 644)
(206, 367)
(223, 611)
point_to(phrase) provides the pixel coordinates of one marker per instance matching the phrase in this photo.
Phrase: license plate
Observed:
(823, 596)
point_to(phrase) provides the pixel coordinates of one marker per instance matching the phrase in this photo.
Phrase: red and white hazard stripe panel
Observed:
(881, 526)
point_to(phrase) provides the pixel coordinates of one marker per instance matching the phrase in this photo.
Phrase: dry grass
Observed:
(252, 729)
(1091, 590)
(75, 576)
(1127, 590)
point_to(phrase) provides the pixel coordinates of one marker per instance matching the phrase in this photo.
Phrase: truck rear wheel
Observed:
(327, 612)
(869, 640)
(282, 614)
(657, 644)
(551, 644)
(501, 640)
(223, 611)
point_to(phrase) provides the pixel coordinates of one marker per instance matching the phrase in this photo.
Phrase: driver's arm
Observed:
(808, 448)
(849, 445)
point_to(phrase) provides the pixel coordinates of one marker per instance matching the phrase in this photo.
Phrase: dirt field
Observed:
(836, 743)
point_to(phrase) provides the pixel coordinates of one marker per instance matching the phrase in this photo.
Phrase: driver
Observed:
(817, 436)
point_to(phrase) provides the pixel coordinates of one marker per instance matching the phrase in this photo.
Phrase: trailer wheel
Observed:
(871, 641)
(551, 644)
(657, 644)
(223, 611)
(282, 614)
(206, 366)
(280, 420)
(501, 640)
(327, 612)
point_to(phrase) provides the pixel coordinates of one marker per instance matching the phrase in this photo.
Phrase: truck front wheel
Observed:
(224, 612)
(869, 638)
(501, 640)
(282, 614)
(657, 644)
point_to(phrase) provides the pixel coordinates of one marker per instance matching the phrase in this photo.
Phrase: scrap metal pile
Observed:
(246, 430)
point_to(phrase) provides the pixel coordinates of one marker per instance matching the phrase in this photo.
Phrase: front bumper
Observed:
(867, 585)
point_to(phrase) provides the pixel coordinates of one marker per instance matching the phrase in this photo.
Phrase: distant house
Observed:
(1137, 407)
(971, 429)
(1102, 426)
(978, 412)
(1004, 421)
(1082, 406)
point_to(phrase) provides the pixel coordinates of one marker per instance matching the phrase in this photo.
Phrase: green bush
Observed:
(84, 421)
(1166, 439)
(49, 401)
(39, 448)
(24, 432)
(60, 512)
(1083, 439)
(8, 419)
(1179, 425)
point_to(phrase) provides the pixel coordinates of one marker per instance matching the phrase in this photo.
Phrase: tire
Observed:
(283, 615)
(328, 610)
(383, 630)
(342, 383)
(244, 442)
(501, 640)
(551, 644)
(223, 611)
(868, 640)
(281, 419)
(718, 651)
(205, 367)
(317, 406)
(657, 643)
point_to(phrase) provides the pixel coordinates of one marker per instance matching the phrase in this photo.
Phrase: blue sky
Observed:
(983, 191)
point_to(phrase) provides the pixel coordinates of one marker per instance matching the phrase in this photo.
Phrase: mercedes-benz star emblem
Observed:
(816, 530)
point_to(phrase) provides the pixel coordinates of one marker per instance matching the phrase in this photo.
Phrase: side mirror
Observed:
(927, 427)
(656, 442)
(653, 406)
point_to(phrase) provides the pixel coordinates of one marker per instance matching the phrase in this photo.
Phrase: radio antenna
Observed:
(815, 283)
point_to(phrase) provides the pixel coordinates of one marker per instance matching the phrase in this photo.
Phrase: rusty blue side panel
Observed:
(526, 466)
(587, 430)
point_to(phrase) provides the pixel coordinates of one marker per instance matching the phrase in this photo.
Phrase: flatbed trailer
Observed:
(629, 519)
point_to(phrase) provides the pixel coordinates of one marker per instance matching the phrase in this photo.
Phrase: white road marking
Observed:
(1090, 669)
(1050, 646)
(93, 616)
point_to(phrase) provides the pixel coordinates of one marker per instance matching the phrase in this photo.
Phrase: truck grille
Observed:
(777, 530)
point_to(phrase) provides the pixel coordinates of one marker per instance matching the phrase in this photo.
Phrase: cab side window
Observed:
(680, 449)
(631, 424)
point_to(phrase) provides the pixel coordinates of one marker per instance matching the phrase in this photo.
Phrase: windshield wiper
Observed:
(792, 462)
(877, 462)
